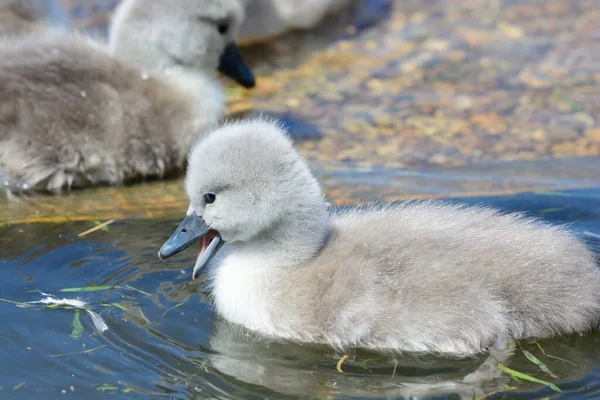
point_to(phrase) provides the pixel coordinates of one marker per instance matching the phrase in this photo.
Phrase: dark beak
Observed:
(232, 65)
(189, 230)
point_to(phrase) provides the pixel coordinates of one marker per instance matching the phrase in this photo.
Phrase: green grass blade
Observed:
(540, 364)
(16, 302)
(137, 290)
(561, 359)
(103, 228)
(554, 357)
(512, 373)
(79, 352)
(118, 305)
(97, 288)
(172, 308)
(106, 387)
(77, 326)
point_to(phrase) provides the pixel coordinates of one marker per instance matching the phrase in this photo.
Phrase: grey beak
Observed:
(191, 229)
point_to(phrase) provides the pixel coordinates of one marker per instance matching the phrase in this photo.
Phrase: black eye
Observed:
(223, 27)
(210, 198)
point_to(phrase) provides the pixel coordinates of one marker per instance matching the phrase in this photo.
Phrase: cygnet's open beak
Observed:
(189, 230)
(232, 65)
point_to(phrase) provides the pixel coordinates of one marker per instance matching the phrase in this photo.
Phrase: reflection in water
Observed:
(163, 339)
(307, 370)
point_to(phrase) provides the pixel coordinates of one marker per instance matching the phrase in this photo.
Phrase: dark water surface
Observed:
(163, 341)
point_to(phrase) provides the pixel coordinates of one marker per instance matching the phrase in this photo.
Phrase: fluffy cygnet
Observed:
(73, 115)
(419, 277)
(188, 36)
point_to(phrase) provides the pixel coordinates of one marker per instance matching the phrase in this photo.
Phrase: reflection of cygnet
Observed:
(299, 370)
(418, 277)
(74, 115)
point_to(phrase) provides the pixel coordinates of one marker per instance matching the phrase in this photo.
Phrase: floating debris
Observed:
(96, 228)
(136, 315)
(18, 386)
(516, 375)
(106, 387)
(172, 308)
(99, 323)
(52, 302)
(117, 305)
(495, 392)
(17, 303)
(77, 326)
(93, 288)
(554, 357)
(340, 362)
(98, 288)
(540, 364)
(75, 303)
(79, 352)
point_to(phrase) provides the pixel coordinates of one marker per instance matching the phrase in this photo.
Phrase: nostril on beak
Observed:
(184, 230)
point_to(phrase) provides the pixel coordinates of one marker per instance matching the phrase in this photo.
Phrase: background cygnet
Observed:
(419, 277)
(270, 18)
(19, 17)
(74, 116)
(182, 38)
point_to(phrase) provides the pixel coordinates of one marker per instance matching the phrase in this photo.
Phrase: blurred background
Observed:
(420, 98)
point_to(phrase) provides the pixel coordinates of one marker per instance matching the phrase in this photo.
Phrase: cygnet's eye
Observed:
(209, 198)
(223, 27)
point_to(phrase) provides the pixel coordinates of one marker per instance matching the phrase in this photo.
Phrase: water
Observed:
(164, 341)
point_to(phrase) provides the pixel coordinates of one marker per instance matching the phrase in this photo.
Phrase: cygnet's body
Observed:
(419, 277)
(74, 115)
(270, 18)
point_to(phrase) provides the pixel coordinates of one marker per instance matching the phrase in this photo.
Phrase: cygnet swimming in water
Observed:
(417, 277)
(74, 115)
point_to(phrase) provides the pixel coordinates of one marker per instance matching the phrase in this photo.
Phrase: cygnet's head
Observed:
(246, 183)
(157, 35)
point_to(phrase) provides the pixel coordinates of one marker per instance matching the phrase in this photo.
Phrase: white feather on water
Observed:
(60, 302)
(98, 321)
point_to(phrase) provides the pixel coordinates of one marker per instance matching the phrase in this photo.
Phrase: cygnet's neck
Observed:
(192, 102)
(243, 281)
(295, 239)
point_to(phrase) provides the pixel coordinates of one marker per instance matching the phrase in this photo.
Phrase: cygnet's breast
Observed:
(242, 291)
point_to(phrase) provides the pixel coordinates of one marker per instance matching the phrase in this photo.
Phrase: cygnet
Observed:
(424, 276)
(74, 114)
